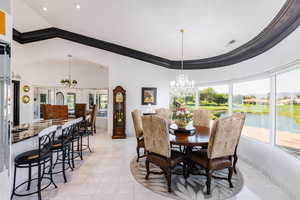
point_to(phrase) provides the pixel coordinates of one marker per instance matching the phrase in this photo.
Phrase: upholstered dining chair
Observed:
(243, 117)
(222, 145)
(138, 127)
(164, 113)
(94, 118)
(201, 118)
(157, 144)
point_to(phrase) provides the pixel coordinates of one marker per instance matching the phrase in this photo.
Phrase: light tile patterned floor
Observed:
(105, 175)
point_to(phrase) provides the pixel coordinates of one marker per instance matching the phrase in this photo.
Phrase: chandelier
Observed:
(182, 86)
(69, 82)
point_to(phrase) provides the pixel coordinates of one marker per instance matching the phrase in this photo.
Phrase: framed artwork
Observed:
(149, 96)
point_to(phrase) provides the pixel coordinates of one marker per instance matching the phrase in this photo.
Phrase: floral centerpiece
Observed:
(182, 117)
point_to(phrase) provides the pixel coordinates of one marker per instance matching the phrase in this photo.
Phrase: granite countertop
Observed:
(29, 130)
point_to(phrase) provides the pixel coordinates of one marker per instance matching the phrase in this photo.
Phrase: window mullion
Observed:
(273, 110)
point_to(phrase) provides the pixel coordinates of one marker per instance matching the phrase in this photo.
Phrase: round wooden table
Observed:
(200, 137)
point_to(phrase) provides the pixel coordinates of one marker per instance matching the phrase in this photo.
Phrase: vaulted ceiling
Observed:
(152, 26)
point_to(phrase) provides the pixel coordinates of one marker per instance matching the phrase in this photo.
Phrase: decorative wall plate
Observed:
(25, 99)
(26, 88)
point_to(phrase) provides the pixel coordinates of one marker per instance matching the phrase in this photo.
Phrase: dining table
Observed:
(191, 136)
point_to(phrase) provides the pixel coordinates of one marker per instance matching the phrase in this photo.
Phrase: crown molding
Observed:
(284, 23)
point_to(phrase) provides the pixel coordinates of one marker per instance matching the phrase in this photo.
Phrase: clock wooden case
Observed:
(119, 113)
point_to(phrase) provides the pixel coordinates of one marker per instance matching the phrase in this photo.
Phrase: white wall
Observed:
(43, 58)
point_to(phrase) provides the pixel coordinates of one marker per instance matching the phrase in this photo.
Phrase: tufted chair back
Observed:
(137, 122)
(156, 135)
(201, 118)
(225, 136)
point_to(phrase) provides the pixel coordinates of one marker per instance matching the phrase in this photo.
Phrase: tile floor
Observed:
(105, 175)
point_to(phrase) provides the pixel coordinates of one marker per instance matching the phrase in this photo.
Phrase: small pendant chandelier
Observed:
(182, 86)
(69, 82)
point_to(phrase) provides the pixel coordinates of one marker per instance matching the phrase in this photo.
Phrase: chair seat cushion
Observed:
(176, 157)
(200, 157)
(31, 156)
(57, 144)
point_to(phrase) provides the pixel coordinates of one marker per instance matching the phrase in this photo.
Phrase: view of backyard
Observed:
(253, 98)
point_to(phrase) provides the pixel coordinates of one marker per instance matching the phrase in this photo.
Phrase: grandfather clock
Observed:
(119, 113)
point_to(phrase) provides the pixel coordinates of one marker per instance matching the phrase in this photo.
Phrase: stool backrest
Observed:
(46, 138)
(94, 114)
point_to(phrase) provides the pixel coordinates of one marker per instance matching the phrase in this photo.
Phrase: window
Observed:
(288, 112)
(43, 98)
(215, 99)
(102, 101)
(189, 102)
(253, 98)
(91, 101)
(71, 100)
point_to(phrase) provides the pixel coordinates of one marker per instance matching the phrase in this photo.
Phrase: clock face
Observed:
(119, 97)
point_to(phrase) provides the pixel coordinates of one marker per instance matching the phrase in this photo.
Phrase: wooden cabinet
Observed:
(119, 113)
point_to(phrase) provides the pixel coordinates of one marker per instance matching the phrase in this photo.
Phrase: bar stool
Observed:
(77, 139)
(36, 158)
(85, 133)
(62, 147)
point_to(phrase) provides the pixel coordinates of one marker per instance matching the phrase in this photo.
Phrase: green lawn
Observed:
(292, 111)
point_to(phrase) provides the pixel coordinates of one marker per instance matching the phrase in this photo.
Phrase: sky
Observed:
(288, 82)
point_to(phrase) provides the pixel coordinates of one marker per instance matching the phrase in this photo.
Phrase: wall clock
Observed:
(119, 113)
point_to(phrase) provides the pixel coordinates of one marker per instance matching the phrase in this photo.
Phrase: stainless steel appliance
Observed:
(5, 117)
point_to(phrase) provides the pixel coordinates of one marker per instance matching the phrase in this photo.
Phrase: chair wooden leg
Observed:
(138, 153)
(235, 159)
(148, 169)
(208, 182)
(168, 175)
(230, 169)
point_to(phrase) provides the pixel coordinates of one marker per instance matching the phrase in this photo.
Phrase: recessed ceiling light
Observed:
(77, 6)
(45, 8)
(231, 41)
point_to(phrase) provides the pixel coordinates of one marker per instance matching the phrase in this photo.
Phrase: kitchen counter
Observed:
(27, 131)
